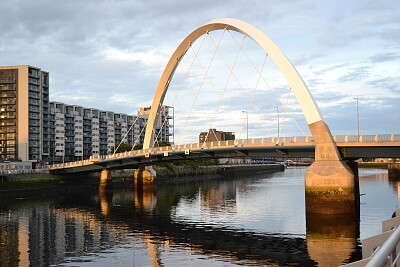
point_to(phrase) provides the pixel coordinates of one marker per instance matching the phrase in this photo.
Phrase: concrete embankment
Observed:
(378, 165)
(181, 174)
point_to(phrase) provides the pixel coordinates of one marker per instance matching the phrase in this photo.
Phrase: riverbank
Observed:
(43, 183)
(375, 165)
(186, 175)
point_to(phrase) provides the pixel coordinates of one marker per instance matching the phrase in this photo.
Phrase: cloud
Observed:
(355, 74)
(110, 54)
(385, 57)
(150, 58)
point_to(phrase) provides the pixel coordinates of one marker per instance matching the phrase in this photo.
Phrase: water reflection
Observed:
(253, 220)
(332, 239)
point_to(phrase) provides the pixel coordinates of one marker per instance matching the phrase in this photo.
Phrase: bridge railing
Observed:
(367, 138)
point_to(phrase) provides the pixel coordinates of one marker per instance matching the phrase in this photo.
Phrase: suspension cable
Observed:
(227, 82)
(182, 83)
(272, 90)
(201, 85)
(215, 91)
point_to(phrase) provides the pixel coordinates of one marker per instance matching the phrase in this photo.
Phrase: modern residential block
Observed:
(34, 129)
(24, 114)
(79, 132)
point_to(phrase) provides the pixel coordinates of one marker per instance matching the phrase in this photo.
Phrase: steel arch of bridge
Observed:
(296, 83)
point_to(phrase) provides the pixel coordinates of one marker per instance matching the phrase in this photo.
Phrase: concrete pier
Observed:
(394, 171)
(105, 177)
(144, 176)
(105, 180)
(329, 182)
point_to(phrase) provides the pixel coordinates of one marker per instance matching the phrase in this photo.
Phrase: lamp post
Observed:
(358, 118)
(27, 151)
(247, 122)
(277, 114)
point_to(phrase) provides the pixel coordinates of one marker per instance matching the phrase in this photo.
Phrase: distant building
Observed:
(214, 135)
(24, 114)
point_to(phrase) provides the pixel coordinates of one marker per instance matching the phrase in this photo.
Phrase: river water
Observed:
(246, 220)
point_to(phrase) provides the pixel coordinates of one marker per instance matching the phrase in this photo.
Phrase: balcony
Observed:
(34, 81)
(34, 138)
(33, 73)
(33, 88)
(34, 109)
(8, 80)
(34, 116)
(33, 145)
(7, 117)
(8, 102)
(33, 102)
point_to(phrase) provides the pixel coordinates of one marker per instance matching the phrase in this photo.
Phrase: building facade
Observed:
(79, 132)
(164, 128)
(34, 129)
(214, 135)
(24, 114)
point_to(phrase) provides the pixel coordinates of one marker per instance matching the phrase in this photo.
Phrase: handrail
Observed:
(381, 256)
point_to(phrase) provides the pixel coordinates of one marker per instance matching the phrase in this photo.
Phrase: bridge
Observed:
(350, 147)
(331, 181)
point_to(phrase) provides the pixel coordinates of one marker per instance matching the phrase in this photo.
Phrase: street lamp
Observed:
(277, 114)
(247, 122)
(358, 119)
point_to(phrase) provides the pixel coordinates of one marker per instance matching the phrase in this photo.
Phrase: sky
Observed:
(110, 54)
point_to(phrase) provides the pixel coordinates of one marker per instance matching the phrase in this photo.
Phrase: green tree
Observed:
(137, 147)
(163, 143)
(122, 148)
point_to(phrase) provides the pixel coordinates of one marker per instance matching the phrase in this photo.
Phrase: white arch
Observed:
(296, 83)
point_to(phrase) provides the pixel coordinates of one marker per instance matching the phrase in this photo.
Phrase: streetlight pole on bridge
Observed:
(277, 113)
(247, 122)
(358, 118)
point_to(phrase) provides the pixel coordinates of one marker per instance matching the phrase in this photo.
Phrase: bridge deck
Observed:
(350, 147)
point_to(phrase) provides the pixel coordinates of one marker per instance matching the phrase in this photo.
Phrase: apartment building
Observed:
(34, 129)
(24, 114)
(79, 132)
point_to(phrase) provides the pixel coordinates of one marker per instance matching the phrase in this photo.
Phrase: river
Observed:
(246, 220)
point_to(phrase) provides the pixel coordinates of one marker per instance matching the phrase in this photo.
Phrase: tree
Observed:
(163, 143)
(122, 148)
(137, 147)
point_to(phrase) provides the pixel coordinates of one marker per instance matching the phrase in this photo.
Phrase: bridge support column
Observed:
(394, 171)
(144, 176)
(105, 178)
(329, 181)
